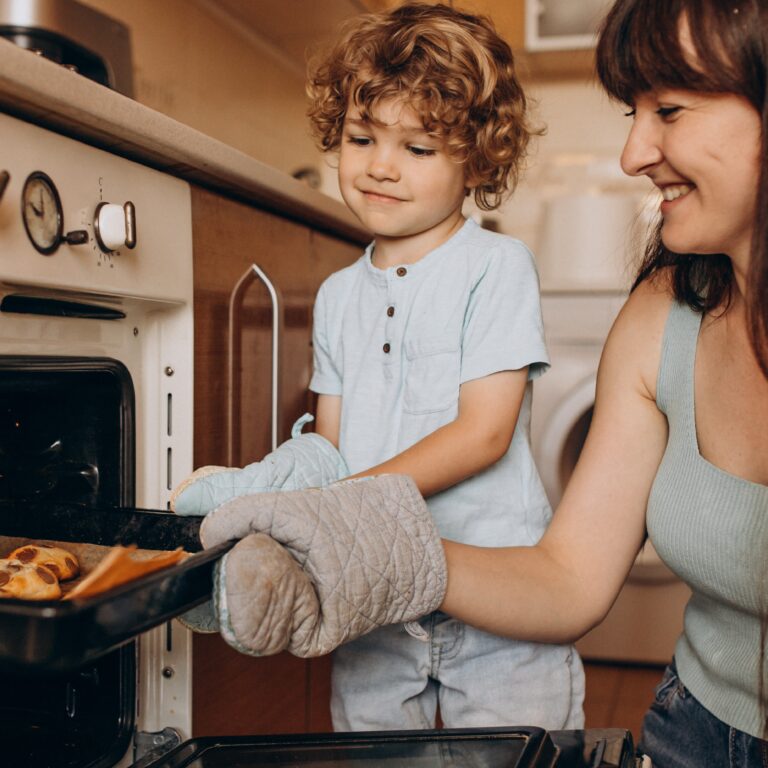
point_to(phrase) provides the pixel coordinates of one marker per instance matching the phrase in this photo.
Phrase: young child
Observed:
(425, 349)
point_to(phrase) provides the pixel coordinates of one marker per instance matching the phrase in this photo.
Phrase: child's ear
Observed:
(471, 182)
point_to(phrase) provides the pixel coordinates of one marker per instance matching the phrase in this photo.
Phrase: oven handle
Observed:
(235, 301)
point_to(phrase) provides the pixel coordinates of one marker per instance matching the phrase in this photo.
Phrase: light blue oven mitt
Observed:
(304, 461)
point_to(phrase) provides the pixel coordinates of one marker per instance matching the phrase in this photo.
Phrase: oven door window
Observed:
(67, 435)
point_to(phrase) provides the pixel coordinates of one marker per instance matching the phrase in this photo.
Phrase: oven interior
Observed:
(67, 435)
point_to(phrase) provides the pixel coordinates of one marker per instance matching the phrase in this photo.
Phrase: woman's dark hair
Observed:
(638, 51)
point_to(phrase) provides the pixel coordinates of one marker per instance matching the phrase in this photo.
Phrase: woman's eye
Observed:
(631, 112)
(421, 151)
(665, 112)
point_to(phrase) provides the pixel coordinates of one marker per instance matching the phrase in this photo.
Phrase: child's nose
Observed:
(382, 166)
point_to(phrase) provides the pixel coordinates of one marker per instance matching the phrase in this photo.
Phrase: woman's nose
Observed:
(642, 151)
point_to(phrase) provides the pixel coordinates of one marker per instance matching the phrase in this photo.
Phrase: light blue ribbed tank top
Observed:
(711, 528)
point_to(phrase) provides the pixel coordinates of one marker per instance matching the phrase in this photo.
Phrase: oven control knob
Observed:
(115, 226)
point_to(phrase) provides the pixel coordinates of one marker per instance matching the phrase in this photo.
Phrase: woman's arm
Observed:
(478, 437)
(558, 590)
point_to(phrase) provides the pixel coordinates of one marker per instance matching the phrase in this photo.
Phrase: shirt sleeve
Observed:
(326, 375)
(503, 327)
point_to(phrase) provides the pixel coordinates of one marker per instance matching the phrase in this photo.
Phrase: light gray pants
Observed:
(388, 680)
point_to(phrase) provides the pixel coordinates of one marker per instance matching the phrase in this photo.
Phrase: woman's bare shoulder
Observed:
(648, 305)
(636, 337)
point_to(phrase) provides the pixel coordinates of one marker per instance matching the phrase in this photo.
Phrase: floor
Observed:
(617, 696)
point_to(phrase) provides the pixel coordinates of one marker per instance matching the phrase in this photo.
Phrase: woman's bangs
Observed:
(636, 53)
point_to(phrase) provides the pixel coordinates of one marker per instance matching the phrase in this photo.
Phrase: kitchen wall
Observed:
(193, 63)
(574, 182)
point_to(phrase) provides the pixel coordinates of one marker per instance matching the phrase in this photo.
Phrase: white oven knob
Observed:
(115, 226)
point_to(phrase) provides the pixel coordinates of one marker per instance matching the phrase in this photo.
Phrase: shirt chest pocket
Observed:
(432, 374)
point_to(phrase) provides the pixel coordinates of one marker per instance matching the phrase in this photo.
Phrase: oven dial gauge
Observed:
(41, 212)
(115, 226)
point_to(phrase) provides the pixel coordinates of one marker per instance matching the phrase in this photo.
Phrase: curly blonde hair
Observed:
(451, 67)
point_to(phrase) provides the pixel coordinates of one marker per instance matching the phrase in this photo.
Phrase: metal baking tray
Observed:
(517, 747)
(509, 747)
(59, 636)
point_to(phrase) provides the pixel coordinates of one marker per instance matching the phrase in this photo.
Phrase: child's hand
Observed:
(366, 553)
(301, 462)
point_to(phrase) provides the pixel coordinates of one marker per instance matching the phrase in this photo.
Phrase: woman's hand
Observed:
(357, 555)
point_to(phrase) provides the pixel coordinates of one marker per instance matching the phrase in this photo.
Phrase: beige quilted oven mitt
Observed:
(364, 553)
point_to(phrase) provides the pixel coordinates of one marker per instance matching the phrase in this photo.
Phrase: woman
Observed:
(694, 332)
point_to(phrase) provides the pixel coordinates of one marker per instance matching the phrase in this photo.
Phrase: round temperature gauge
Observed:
(41, 212)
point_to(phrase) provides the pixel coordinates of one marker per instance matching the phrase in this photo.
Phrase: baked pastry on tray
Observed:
(62, 562)
(28, 581)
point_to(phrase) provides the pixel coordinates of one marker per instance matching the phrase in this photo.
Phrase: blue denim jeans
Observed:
(678, 732)
(388, 680)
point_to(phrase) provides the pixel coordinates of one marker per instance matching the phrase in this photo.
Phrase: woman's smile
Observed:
(675, 191)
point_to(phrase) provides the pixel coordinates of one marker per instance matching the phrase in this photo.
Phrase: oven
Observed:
(96, 385)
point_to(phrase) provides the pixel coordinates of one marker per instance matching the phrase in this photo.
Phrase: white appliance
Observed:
(647, 617)
(96, 263)
(562, 24)
(584, 239)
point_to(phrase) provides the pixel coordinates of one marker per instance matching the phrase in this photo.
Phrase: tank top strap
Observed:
(675, 384)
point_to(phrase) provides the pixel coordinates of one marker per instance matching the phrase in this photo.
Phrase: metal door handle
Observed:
(253, 272)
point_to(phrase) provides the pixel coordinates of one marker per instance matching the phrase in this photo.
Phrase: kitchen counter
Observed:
(42, 92)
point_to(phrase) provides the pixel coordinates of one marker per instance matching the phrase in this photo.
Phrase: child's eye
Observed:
(421, 151)
(630, 113)
(359, 141)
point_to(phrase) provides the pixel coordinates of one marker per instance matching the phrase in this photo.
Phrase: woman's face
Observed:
(703, 153)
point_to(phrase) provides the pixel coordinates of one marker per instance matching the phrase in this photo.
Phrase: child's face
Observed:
(396, 178)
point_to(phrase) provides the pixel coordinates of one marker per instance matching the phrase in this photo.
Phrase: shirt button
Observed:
(386, 348)
(390, 311)
(402, 271)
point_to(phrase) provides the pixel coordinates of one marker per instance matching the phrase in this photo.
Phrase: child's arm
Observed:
(478, 437)
(328, 417)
